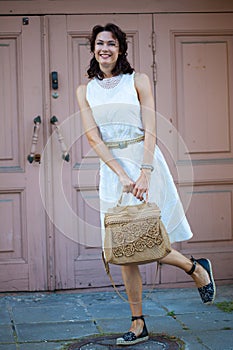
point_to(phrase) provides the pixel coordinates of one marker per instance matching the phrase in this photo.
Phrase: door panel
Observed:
(195, 55)
(83, 249)
(203, 94)
(22, 219)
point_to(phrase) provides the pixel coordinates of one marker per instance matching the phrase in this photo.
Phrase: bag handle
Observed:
(120, 199)
(107, 268)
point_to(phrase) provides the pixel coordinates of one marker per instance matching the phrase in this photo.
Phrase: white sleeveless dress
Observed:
(117, 113)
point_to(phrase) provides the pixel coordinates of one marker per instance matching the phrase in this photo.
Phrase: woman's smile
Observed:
(104, 55)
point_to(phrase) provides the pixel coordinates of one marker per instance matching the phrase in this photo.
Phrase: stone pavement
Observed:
(54, 321)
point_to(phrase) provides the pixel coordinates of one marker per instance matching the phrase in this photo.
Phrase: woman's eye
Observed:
(100, 43)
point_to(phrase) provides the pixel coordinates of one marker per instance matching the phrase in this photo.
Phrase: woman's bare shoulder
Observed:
(81, 90)
(81, 95)
(142, 80)
(141, 77)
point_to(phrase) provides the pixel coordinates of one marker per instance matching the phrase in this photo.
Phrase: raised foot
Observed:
(208, 291)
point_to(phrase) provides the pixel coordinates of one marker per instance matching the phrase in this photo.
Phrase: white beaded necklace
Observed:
(109, 83)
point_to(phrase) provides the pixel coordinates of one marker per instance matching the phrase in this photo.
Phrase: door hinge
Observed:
(153, 47)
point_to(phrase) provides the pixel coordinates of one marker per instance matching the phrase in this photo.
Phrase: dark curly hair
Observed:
(122, 64)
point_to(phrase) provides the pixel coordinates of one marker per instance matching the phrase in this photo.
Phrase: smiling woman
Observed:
(109, 46)
(118, 115)
(106, 51)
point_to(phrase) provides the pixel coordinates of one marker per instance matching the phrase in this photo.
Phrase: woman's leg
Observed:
(133, 284)
(200, 275)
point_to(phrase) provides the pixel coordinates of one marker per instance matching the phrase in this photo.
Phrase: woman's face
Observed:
(106, 49)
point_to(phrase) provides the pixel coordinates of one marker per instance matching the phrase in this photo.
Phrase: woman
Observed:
(118, 116)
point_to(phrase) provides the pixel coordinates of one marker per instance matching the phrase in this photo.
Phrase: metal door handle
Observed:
(65, 154)
(33, 156)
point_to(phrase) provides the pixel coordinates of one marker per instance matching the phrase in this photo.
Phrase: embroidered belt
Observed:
(124, 143)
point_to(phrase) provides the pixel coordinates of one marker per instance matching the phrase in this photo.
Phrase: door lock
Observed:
(54, 80)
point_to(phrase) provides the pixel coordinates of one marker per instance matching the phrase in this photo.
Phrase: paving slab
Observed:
(194, 343)
(217, 340)
(174, 294)
(4, 316)
(8, 347)
(187, 306)
(109, 311)
(54, 331)
(208, 321)
(49, 313)
(108, 326)
(6, 334)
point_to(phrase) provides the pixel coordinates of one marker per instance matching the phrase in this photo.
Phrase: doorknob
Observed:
(65, 154)
(32, 156)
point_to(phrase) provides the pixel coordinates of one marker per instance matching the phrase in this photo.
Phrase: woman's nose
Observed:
(105, 46)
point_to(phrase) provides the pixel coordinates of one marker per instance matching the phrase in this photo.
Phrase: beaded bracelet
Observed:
(147, 166)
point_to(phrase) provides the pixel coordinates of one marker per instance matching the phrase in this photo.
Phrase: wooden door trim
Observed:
(105, 7)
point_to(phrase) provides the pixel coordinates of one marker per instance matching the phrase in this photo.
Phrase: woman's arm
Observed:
(143, 87)
(145, 96)
(92, 133)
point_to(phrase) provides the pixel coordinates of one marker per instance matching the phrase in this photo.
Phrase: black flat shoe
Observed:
(130, 338)
(207, 292)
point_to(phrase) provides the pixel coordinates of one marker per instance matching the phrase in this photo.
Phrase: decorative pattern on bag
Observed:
(132, 237)
(135, 235)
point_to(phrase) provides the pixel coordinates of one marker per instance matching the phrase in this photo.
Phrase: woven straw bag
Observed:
(135, 234)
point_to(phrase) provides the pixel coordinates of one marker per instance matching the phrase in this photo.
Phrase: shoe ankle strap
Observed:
(137, 318)
(194, 261)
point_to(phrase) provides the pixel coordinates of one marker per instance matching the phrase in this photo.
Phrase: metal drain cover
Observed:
(157, 342)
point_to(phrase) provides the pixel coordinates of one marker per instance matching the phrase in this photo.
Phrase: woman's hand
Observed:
(127, 183)
(142, 185)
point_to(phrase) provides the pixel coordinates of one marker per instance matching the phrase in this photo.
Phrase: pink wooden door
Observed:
(194, 98)
(76, 216)
(22, 217)
(195, 94)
